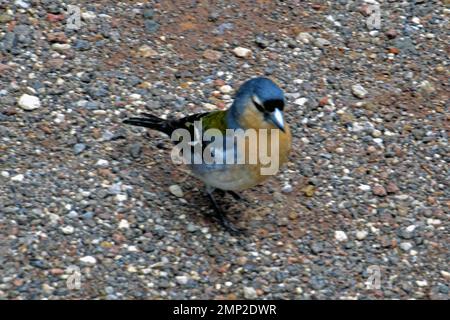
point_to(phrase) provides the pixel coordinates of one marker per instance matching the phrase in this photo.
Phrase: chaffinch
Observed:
(258, 106)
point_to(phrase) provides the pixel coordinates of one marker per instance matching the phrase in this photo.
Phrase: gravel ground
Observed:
(366, 188)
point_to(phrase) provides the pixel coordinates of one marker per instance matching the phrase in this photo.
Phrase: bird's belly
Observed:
(234, 177)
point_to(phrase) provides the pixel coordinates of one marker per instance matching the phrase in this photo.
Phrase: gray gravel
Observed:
(367, 185)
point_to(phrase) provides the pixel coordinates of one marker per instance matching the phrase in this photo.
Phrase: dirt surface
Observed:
(366, 187)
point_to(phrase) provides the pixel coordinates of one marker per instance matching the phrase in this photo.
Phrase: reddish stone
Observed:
(379, 190)
(57, 37)
(323, 101)
(394, 50)
(55, 17)
(392, 188)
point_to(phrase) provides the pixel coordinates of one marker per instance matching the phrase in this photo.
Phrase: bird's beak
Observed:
(277, 119)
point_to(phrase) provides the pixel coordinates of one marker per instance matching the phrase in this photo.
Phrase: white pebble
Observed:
(422, 283)
(361, 235)
(5, 174)
(411, 228)
(123, 224)
(182, 279)
(242, 52)
(359, 91)
(102, 163)
(88, 260)
(226, 89)
(406, 246)
(68, 229)
(28, 103)
(433, 221)
(364, 187)
(340, 236)
(301, 101)
(18, 178)
(250, 293)
(176, 190)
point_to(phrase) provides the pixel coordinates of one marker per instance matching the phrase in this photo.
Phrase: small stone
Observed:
(415, 20)
(426, 87)
(79, 148)
(88, 260)
(226, 89)
(61, 47)
(364, 187)
(102, 163)
(176, 190)
(28, 102)
(433, 222)
(124, 224)
(212, 55)
(151, 25)
(305, 37)
(321, 42)
(242, 52)
(359, 91)
(287, 188)
(340, 236)
(379, 190)
(361, 234)
(146, 51)
(392, 188)
(68, 230)
(47, 289)
(445, 274)
(182, 280)
(250, 293)
(309, 190)
(21, 3)
(391, 34)
(262, 42)
(316, 247)
(301, 101)
(18, 178)
(88, 16)
(422, 283)
(406, 246)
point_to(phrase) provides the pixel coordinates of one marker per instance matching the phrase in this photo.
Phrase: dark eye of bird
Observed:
(271, 105)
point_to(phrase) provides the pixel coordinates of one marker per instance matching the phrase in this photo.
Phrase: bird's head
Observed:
(259, 103)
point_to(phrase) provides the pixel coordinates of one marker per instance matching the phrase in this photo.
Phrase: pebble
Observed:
(340, 236)
(422, 283)
(379, 190)
(406, 246)
(88, 260)
(124, 224)
(68, 229)
(29, 103)
(361, 234)
(321, 42)
(212, 55)
(79, 148)
(176, 190)
(102, 163)
(301, 101)
(226, 89)
(242, 52)
(250, 293)
(182, 280)
(18, 178)
(359, 91)
(146, 51)
(305, 37)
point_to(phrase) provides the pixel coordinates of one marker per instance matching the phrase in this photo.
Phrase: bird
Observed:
(258, 106)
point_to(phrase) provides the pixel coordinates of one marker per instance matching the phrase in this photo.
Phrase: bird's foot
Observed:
(223, 219)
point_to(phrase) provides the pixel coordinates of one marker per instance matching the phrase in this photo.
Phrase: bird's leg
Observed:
(220, 215)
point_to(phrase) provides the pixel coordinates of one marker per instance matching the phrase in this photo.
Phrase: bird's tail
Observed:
(150, 121)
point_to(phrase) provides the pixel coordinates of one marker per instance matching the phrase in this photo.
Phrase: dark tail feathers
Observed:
(150, 121)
